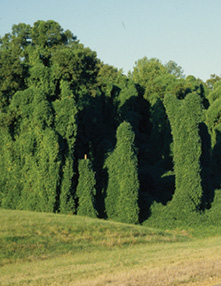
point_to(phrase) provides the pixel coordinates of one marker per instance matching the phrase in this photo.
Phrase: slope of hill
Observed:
(51, 249)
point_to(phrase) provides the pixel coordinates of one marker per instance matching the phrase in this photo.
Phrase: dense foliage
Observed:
(185, 116)
(123, 185)
(78, 136)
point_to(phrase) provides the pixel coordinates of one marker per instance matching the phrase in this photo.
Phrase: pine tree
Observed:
(86, 189)
(123, 185)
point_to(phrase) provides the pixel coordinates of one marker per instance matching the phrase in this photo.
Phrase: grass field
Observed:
(51, 249)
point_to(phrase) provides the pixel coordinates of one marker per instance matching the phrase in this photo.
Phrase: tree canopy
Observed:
(152, 137)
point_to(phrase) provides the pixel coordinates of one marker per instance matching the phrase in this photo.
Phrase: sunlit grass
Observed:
(30, 235)
(51, 249)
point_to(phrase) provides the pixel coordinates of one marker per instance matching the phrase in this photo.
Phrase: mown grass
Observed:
(52, 249)
(30, 235)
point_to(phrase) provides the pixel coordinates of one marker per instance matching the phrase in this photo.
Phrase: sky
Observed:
(124, 31)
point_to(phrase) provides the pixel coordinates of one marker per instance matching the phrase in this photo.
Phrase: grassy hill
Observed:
(53, 249)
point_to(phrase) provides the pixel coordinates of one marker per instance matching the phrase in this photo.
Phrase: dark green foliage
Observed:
(185, 116)
(213, 121)
(66, 126)
(145, 72)
(86, 189)
(213, 214)
(36, 150)
(50, 34)
(10, 179)
(12, 72)
(58, 101)
(77, 65)
(123, 185)
(42, 177)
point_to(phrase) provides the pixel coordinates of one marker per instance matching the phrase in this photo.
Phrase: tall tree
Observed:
(86, 189)
(12, 70)
(145, 72)
(66, 126)
(185, 116)
(38, 149)
(213, 121)
(25, 47)
(123, 185)
(10, 165)
(174, 69)
(213, 79)
(77, 65)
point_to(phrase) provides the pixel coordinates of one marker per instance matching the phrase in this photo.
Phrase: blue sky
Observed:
(123, 31)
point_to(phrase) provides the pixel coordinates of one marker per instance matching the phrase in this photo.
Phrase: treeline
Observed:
(78, 136)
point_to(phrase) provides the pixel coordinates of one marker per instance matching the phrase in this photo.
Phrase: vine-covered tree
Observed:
(123, 184)
(86, 191)
(185, 116)
(213, 120)
(66, 125)
(58, 101)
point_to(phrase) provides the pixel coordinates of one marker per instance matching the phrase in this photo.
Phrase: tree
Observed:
(185, 116)
(66, 126)
(25, 47)
(77, 65)
(86, 189)
(43, 72)
(145, 72)
(37, 150)
(213, 79)
(123, 185)
(174, 69)
(58, 101)
(50, 34)
(215, 94)
(12, 71)
(213, 121)
(10, 165)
